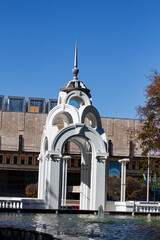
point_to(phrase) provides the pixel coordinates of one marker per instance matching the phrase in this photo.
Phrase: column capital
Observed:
(55, 158)
(66, 157)
(40, 157)
(123, 160)
(101, 157)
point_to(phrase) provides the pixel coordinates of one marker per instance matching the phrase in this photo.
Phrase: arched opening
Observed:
(62, 120)
(77, 151)
(92, 167)
(76, 101)
(90, 120)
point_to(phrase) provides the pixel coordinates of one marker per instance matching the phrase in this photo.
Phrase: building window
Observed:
(51, 103)
(133, 165)
(127, 165)
(72, 162)
(22, 160)
(30, 160)
(37, 162)
(36, 105)
(79, 162)
(110, 148)
(1, 159)
(20, 143)
(1, 102)
(15, 104)
(15, 159)
(8, 158)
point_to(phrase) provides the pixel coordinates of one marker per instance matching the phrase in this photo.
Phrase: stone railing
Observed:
(11, 203)
(21, 203)
(142, 207)
(117, 206)
(133, 207)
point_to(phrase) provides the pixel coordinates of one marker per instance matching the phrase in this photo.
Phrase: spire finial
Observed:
(75, 70)
(75, 56)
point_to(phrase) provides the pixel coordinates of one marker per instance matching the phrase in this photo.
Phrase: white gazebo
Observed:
(90, 138)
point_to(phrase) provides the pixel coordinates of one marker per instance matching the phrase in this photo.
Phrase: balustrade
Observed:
(11, 203)
(147, 208)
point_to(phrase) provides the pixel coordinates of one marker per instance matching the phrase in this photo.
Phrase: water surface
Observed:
(78, 226)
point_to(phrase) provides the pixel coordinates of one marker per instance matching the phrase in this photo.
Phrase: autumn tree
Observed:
(135, 190)
(31, 190)
(113, 188)
(149, 134)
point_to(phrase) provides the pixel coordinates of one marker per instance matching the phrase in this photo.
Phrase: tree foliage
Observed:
(31, 190)
(150, 114)
(135, 190)
(113, 188)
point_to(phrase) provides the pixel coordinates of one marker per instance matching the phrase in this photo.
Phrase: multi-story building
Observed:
(21, 126)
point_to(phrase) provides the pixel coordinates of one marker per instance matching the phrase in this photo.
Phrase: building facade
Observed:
(20, 137)
(21, 127)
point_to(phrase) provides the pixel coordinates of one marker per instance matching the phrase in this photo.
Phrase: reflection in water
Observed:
(86, 226)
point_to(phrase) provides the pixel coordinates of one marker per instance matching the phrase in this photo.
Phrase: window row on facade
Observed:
(33, 105)
(21, 159)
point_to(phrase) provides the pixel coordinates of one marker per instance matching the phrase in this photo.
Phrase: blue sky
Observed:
(118, 44)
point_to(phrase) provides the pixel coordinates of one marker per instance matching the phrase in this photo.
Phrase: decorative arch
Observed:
(60, 100)
(92, 114)
(69, 113)
(66, 117)
(79, 130)
(80, 97)
(43, 141)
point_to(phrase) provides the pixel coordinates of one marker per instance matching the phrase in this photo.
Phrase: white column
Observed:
(100, 184)
(40, 178)
(65, 189)
(53, 183)
(62, 201)
(123, 178)
(64, 179)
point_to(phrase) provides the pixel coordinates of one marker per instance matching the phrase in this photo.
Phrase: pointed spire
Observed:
(75, 56)
(75, 84)
(75, 71)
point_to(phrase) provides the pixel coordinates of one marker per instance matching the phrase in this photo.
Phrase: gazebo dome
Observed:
(75, 85)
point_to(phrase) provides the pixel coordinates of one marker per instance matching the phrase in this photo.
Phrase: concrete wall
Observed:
(13, 124)
(30, 125)
(121, 132)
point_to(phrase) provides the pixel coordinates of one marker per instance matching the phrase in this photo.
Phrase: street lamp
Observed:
(148, 177)
(154, 181)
